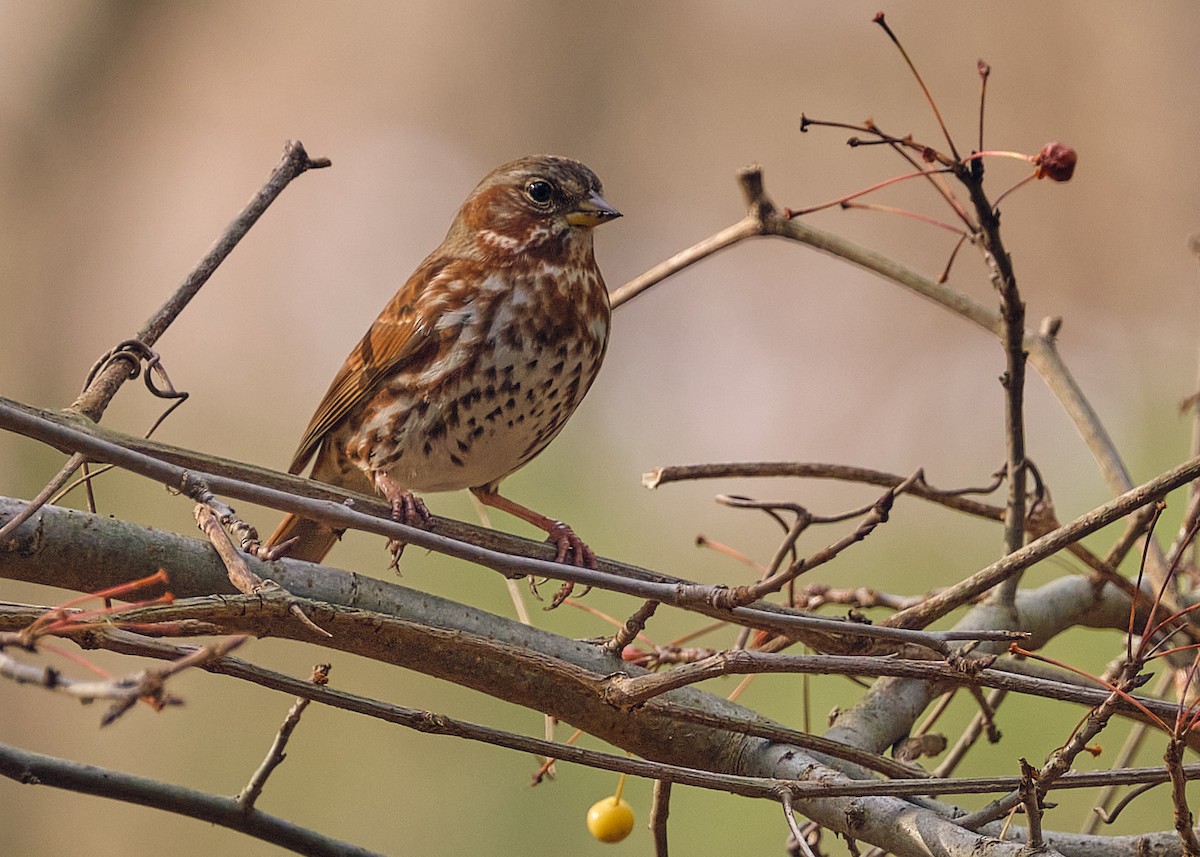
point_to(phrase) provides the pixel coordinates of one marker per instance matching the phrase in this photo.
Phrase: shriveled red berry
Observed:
(1056, 162)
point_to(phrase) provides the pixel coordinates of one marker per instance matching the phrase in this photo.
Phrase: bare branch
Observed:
(147, 685)
(240, 575)
(659, 811)
(94, 400)
(275, 755)
(1179, 802)
(31, 768)
(952, 499)
(459, 645)
(798, 836)
(632, 627)
(1031, 799)
(942, 603)
(629, 580)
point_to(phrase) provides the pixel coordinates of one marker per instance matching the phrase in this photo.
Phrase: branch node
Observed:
(759, 204)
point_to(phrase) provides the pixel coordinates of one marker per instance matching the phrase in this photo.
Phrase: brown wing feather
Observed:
(401, 331)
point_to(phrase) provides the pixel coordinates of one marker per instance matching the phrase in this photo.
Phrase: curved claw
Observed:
(408, 509)
(573, 551)
(571, 545)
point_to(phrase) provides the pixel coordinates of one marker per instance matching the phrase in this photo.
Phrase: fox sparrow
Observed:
(476, 364)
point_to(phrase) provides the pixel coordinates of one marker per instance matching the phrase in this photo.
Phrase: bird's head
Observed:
(542, 205)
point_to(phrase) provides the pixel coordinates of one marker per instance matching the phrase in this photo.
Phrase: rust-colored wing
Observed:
(404, 328)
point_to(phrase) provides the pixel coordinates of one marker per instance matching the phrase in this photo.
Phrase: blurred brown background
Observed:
(130, 133)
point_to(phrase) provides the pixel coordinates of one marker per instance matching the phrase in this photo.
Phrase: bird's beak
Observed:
(592, 212)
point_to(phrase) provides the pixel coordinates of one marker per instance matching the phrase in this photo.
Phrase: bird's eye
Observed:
(539, 191)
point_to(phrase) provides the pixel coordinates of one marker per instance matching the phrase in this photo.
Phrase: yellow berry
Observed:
(610, 819)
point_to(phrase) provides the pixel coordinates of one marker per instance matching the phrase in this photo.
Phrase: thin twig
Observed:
(1060, 761)
(882, 22)
(659, 811)
(42, 497)
(785, 798)
(1133, 742)
(960, 593)
(122, 364)
(775, 580)
(625, 691)
(1012, 335)
(952, 498)
(148, 685)
(1100, 814)
(632, 627)
(240, 575)
(1031, 799)
(275, 755)
(760, 209)
(93, 401)
(1181, 813)
(984, 72)
(748, 227)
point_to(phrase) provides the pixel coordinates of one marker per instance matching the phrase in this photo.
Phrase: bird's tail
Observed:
(313, 539)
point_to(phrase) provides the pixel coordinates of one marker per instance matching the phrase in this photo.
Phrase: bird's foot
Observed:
(410, 510)
(571, 550)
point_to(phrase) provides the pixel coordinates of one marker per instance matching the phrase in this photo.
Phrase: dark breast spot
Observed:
(511, 336)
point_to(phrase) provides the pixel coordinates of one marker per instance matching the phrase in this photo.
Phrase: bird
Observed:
(477, 362)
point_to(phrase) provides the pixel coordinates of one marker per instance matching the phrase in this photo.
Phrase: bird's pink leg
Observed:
(570, 548)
